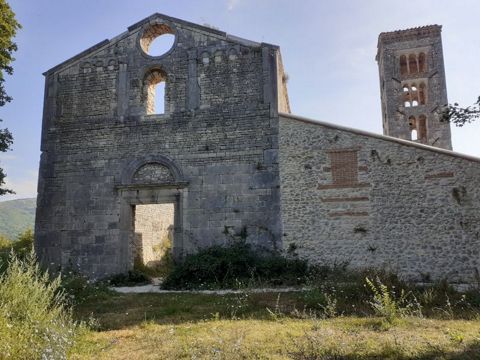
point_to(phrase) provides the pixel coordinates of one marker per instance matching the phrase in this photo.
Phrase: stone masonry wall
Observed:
(349, 196)
(220, 130)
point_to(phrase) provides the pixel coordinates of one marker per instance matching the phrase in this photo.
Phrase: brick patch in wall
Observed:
(446, 174)
(348, 213)
(342, 186)
(344, 166)
(345, 199)
(360, 168)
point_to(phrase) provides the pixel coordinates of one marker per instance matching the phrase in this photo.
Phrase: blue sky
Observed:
(328, 50)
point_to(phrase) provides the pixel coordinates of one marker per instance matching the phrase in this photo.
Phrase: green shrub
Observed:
(235, 265)
(34, 323)
(79, 289)
(21, 247)
(24, 243)
(132, 278)
(5, 243)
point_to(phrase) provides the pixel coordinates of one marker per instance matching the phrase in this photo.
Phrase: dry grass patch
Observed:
(340, 338)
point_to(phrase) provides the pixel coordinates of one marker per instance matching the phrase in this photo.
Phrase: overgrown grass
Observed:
(282, 338)
(34, 322)
(325, 322)
(344, 314)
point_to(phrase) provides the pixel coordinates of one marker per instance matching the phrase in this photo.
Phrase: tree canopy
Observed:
(460, 116)
(8, 29)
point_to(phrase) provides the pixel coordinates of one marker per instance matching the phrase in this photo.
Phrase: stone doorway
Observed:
(153, 235)
(152, 196)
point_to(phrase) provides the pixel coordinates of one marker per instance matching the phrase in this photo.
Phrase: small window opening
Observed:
(414, 136)
(405, 88)
(407, 103)
(422, 62)
(412, 122)
(403, 65)
(159, 103)
(414, 88)
(414, 103)
(412, 64)
(154, 83)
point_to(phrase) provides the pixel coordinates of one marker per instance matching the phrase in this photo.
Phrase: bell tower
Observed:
(413, 86)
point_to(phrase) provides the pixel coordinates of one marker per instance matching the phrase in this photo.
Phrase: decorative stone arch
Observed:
(168, 188)
(134, 166)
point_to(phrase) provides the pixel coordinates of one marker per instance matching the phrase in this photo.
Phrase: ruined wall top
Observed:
(156, 19)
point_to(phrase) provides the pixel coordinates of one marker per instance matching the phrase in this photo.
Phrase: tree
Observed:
(459, 115)
(8, 29)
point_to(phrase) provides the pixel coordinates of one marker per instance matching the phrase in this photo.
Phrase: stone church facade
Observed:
(234, 164)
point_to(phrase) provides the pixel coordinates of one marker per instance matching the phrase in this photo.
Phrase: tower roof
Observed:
(407, 35)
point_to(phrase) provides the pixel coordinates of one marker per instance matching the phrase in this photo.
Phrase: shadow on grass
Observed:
(119, 311)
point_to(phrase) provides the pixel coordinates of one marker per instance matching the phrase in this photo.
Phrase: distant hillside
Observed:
(17, 216)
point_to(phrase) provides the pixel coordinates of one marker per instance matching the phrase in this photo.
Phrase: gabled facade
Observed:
(212, 154)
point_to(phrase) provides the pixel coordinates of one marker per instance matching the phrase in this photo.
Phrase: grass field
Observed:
(261, 326)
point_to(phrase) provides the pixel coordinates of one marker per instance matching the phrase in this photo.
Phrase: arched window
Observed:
(412, 64)
(154, 85)
(405, 88)
(422, 64)
(414, 103)
(422, 128)
(407, 104)
(403, 65)
(414, 87)
(421, 95)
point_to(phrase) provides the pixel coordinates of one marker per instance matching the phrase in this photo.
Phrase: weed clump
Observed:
(34, 322)
(234, 266)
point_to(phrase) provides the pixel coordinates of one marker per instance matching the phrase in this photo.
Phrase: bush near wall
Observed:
(236, 265)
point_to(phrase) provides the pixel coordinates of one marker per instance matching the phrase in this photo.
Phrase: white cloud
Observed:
(231, 4)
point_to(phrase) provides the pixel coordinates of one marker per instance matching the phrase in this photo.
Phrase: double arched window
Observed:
(413, 63)
(413, 95)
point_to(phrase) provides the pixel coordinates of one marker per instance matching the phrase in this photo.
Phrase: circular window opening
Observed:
(157, 40)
